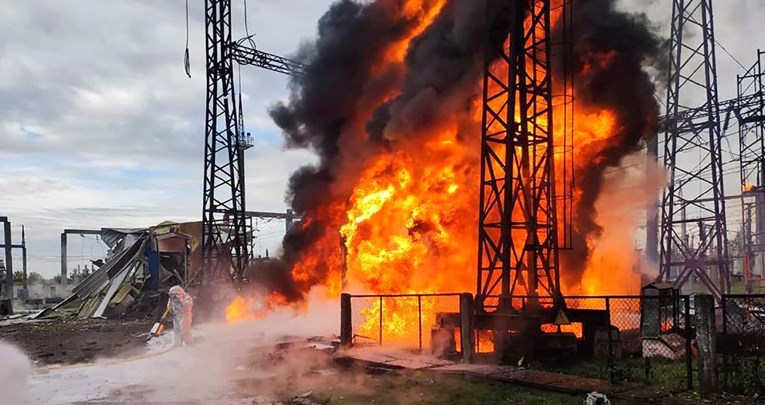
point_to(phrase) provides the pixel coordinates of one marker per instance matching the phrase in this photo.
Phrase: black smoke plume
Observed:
(442, 69)
(611, 49)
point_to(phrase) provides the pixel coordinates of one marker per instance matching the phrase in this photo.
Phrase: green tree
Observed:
(34, 277)
(18, 277)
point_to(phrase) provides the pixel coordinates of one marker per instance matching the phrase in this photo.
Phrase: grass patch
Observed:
(425, 388)
(656, 371)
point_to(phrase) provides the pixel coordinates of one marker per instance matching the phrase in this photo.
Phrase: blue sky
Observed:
(100, 127)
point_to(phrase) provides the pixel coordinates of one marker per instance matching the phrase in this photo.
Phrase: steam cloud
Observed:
(344, 84)
(14, 372)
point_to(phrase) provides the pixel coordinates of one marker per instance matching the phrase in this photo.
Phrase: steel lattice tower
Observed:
(224, 226)
(226, 230)
(693, 155)
(518, 247)
(750, 113)
(750, 107)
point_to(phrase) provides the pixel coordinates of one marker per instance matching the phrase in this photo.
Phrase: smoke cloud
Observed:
(626, 191)
(353, 105)
(343, 109)
(611, 49)
(227, 364)
(14, 373)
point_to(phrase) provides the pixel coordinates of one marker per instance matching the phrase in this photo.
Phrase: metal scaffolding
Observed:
(518, 225)
(693, 156)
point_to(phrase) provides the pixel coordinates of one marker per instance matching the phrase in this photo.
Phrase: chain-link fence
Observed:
(642, 339)
(653, 341)
(428, 322)
(639, 339)
(741, 345)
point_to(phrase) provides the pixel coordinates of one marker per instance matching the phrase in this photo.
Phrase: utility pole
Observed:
(693, 154)
(8, 246)
(24, 256)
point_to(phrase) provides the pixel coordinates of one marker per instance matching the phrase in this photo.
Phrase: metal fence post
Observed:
(419, 318)
(610, 360)
(706, 341)
(756, 373)
(688, 337)
(346, 327)
(724, 301)
(381, 321)
(647, 360)
(467, 327)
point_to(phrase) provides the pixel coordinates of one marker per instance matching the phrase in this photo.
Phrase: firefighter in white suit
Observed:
(180, 304)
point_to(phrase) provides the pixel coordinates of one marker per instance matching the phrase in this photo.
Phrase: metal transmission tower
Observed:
(224, 227)
(692, 153)
(518, 229)
(749, 109)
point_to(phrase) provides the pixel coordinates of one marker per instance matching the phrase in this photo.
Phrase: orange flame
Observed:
(399, 315)
(249, 309)
(409, 224)
(240, 310)
(484, 341)
(575, 328)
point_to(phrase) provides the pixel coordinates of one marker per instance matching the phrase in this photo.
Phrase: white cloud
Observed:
(99, 125)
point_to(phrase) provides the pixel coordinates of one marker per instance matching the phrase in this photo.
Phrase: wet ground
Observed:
(250, 363)
(226, 365)
(71, 340)
(224, 368)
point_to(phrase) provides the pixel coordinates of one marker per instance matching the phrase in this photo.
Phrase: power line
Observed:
(729, 54)
(186, 60)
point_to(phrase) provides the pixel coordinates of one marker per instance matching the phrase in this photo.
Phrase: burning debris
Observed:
(390, 102)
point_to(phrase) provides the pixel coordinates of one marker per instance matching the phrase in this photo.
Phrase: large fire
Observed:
(409, 225)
